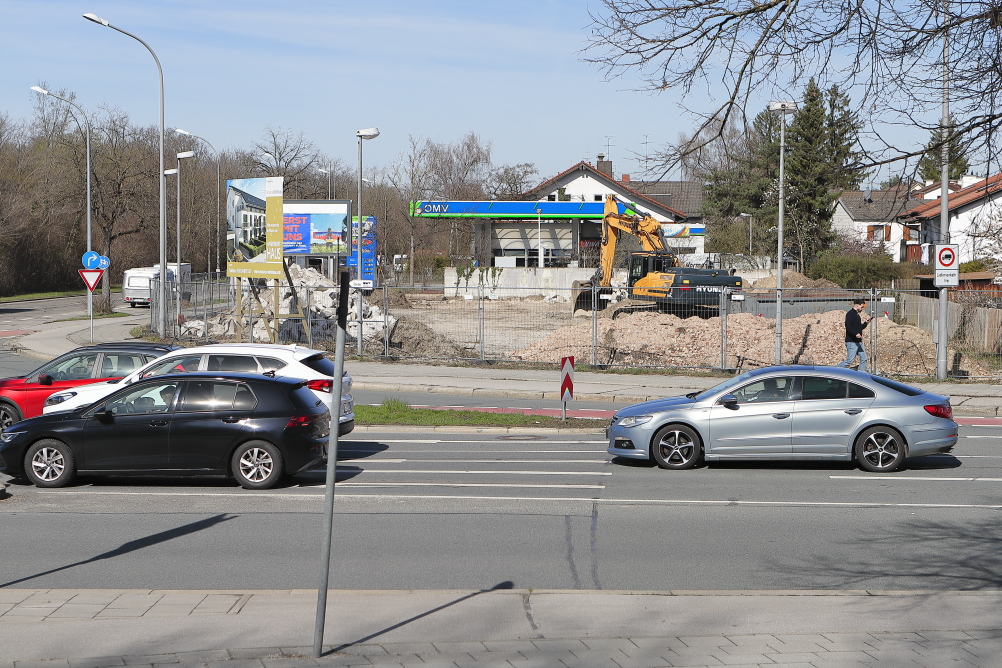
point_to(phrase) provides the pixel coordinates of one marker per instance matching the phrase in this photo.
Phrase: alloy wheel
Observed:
(48, 464)
(256, 464)
(881, 450)
(676, 447)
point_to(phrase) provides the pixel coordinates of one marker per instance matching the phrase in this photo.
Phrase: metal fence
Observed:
(513, 324)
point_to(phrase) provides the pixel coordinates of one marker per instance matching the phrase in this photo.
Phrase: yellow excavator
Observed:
(656, 279)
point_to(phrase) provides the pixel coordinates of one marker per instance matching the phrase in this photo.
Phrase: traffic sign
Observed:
(566, 378)
(90, 260)
(947, 266)
(362, 283)
(103, 262)
(91, 277)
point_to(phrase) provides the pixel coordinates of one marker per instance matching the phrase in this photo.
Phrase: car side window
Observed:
(181, 364)
(765, 390)
(815, 388)
(76, 367)
(209, 395)
(117, 365)
(270, 363)
(860, 392)
(238, 363)
(155, 398)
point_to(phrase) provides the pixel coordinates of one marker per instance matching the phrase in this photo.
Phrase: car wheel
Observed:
(677, 447)
(257, 465)
(880, 449)
(49, 463)
(9, 414)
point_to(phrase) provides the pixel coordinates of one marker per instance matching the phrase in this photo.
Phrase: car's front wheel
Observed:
(676, 446)
(8, 415)
(880, 449)
(49, 463)
(257, 465)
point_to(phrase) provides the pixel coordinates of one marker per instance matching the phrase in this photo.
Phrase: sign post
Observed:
(91, 277)
(566, 383)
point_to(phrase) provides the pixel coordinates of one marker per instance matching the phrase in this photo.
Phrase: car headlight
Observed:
(59, 398)
(635, 420)
(346, 384)
(8, 436)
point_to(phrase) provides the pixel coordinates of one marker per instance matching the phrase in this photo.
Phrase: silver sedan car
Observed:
(789, 412)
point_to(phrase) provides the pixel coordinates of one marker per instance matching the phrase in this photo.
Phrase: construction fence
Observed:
(737, 333)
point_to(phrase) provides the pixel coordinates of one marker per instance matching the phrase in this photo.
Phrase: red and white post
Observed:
(566, 383)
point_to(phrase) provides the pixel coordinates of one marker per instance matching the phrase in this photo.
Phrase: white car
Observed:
(287, 361)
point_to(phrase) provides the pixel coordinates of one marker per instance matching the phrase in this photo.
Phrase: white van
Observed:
(136, 284)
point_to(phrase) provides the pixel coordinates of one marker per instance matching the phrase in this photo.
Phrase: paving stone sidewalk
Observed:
(934, 649)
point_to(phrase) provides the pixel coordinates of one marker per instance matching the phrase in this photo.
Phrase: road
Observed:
(451, 511)
(27, 315)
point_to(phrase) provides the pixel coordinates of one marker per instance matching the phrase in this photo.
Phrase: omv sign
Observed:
(433, 208)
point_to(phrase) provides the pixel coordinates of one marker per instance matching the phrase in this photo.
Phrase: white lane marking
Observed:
(604, 502)
(376, 460)
(439, 440)
(913, 477)
(364, 468)
(460, 484)
(995, 437)
(482, 452)
(391, 440)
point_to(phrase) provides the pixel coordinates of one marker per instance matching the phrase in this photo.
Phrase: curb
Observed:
(457, 429)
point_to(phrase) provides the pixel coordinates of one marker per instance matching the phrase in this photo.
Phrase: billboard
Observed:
(368, 239)
(254, 228)
(315, 227)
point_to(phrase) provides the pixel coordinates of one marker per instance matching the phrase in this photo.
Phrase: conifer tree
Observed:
(930, 165)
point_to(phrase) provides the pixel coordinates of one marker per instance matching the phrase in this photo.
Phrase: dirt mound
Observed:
(657, 339)
(415, 339)
(796, 280)
(398, 299)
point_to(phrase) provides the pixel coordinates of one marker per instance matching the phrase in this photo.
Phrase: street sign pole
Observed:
(566, 383)
(91, 275)
(947, 276)
(325, 552)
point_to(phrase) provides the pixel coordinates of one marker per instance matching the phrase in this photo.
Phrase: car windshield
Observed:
(727, 384)
(899, 387)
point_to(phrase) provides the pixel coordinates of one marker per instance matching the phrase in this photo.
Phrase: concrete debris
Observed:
(657, 339)
(319, 304)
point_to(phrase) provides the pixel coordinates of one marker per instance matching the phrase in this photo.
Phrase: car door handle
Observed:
(159, 423)
(854, 411)
(231, 420)
(781, 416)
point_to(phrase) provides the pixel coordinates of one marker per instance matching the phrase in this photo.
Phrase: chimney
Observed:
(626, 178)
(604, 166)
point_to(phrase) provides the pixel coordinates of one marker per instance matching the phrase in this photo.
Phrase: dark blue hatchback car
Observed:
(249, 426)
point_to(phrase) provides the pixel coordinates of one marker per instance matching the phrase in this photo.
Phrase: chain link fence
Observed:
(608, 330)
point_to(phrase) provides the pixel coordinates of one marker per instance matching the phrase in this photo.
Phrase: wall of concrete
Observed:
(523, 281)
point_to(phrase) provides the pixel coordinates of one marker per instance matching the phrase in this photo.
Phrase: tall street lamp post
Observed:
(539, 235)
(781, 108)
(944, 214)
(328, 172)
(218, 192)
(38, 89)
(367, 133)
(749, 217)
(162, 291)
(177, 233)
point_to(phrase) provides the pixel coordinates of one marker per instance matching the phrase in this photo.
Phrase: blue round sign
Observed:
(103, 262)
(90, 260)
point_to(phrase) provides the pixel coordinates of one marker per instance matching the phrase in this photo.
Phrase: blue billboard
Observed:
(315, 227)
(368, 240)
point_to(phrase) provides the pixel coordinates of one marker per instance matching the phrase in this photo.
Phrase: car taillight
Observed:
(321, 385)
(940, 410)
(302, 420)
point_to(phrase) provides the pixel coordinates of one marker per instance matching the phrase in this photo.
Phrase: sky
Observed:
(512, 72)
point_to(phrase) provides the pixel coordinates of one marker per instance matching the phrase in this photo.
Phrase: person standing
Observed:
(855, 322)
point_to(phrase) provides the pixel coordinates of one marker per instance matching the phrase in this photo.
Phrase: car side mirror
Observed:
(45, 379)
(102, 414)
(729, 401)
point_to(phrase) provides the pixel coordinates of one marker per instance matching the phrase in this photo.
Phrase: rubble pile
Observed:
(656, 339)
(797, 281)
(319, 303)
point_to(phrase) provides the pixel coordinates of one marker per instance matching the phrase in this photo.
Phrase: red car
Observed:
(23, 397)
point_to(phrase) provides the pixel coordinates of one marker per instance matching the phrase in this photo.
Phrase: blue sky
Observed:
(509, 71)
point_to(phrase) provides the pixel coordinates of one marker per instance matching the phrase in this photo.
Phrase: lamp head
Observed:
(96, 19)
(39, 89)
(185, 154)
(322, 170)
(368, 133)
(181, 132)
(782, 107)
(168, 172)
(745, 215)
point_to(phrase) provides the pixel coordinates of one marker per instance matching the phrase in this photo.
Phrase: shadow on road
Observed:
(133, 545)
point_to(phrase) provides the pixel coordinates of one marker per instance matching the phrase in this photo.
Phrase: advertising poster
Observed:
(254, 239)
(313, 227)
(368, 240)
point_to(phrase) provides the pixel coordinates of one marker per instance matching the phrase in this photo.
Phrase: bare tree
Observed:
(284, 153)
(510, 181)
(890, 52)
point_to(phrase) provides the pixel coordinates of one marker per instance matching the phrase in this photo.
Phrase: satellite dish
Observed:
(868, 196)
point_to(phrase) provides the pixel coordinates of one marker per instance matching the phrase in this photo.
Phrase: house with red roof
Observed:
(973, 211)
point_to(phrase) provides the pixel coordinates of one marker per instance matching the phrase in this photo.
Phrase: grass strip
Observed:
(50, 295)
(97, 316)
(394, 411)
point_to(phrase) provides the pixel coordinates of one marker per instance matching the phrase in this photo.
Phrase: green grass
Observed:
(394, 411)
(97, 316)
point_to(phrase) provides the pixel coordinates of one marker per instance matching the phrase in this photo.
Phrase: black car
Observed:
(252, 427)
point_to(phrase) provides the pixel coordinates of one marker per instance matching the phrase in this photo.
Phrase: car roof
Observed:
(127, 345)
(297, 352)
(224, 375)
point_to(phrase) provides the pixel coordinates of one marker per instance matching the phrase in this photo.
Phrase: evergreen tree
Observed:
(930, 165)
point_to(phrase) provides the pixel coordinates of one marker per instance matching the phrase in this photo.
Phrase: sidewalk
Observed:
(501, 627)
(981, 399)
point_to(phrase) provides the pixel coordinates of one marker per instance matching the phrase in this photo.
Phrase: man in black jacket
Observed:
(854, 326)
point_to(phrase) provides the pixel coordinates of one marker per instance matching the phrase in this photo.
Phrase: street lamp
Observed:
(539, 235)
(781, 108)
(328, 172)
(39, 89)
(749, 217)
(177, 256)
(162, 296)
(218, 195)
(367, 133)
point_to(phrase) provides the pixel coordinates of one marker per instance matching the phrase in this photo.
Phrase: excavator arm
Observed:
(644, 228)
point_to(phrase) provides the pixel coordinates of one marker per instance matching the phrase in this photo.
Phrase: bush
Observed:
(973, 266)
(855, 272)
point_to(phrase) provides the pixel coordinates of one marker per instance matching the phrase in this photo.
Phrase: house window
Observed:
(878, 232)
(598, 198)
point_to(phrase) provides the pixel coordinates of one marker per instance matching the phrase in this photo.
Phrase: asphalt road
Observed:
(430, 511)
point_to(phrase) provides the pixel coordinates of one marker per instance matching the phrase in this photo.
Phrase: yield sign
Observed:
(91, 277)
